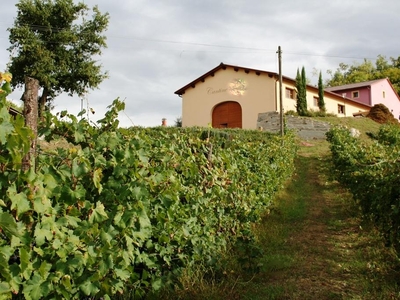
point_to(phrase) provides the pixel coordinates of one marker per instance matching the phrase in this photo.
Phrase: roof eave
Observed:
(182, 90)
(202, 78)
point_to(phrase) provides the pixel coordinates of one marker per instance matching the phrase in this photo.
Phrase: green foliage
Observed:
(366, 71)
(301, 88)
(321, 101)
(54, 42)
(123, 211)
(311, 113)
(319, 113)
(372, 175)
(291, 113)
(387, 134)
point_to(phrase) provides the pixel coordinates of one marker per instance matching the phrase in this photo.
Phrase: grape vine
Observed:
(122, 211)
(372, 173)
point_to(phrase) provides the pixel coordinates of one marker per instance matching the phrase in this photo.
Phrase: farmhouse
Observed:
(233, 96)
(373, 92)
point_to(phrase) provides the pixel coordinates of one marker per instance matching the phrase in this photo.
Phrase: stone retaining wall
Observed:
(306, 128)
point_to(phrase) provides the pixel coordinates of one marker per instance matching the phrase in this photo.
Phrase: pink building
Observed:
(371, 93)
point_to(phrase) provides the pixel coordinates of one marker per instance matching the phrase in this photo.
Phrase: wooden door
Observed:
(227, 115)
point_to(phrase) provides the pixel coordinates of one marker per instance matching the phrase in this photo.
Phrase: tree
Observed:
(298, 88)
(366, 71)
(178, 122)
(301, 87)
(321, 102)
(55, 42)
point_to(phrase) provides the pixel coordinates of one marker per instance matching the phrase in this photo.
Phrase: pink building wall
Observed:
(376, 92)
(364, 95)
(382, 92)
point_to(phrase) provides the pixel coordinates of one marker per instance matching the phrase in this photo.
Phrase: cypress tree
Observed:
(298, 88)
(301, 86)
(321, 102)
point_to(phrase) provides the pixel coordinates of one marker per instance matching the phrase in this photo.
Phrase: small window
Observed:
(289, 93)
(383, 94)
(355, 94)
(316, 100)
(341, 109)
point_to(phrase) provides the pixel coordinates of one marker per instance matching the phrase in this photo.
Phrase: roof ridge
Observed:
(362, 83)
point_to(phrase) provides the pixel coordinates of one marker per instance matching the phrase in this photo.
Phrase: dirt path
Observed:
(324, 253)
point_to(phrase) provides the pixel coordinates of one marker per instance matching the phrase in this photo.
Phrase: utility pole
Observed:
(280, 89)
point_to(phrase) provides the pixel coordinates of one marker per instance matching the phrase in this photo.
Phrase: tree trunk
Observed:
(31, 118)
(42, 105)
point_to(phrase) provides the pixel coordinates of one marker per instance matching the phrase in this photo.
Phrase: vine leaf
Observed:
(98, 214)
(8, 224)
(96, 179)
(6, 128)
(21, 203)
(89, 288)
(32, 289)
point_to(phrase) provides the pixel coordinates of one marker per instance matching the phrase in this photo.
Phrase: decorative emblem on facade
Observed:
(237, 87)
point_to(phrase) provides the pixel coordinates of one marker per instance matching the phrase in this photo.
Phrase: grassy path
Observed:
(316, 246)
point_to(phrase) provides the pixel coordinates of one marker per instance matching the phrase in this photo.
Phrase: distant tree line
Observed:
(366, 71)
(348, 74)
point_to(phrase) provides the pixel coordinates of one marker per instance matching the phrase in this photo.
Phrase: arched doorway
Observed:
(227, 115)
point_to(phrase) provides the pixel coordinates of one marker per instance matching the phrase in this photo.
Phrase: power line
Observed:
(331, 56)
(192, 43)
(236, 47)
(252, 49)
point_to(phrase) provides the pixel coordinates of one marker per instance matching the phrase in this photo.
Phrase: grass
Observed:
(313, 244)
(363, 124)
(330, 253)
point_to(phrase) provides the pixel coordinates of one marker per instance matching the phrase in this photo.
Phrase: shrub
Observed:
(381, 114)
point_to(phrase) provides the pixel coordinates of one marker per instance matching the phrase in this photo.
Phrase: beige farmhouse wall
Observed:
(256, 91)
(332, 101)
(350, 107)
(255, 94)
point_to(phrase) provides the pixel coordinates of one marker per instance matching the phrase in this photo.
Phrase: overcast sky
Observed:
(156, 47)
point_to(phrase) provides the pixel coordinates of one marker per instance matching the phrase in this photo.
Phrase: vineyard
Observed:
(371, 171)
(121, 212)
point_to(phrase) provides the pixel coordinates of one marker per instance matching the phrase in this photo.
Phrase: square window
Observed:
(289, 93)
(355, 94)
